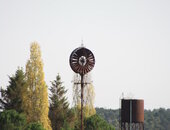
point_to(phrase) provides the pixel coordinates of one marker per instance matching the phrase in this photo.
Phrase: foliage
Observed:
(157, 119)
(77, 124)
(12, 96)
(66, 126)
(111, 116)
(59, 106)
(89, 95)
(11, 120)
(95, 122)
(34, 126)
(35, 96)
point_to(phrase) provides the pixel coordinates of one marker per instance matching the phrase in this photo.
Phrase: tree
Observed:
(89, 94)
(156, 119)
(95, 122)
(111, 116)
(35, 97)
(66, 126)
(12, 120)
(12, 96)
(59, 106)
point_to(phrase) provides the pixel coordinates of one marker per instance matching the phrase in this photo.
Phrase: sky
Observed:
(130, 40)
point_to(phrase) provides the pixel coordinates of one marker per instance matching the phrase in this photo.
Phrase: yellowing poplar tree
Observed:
(35, 97)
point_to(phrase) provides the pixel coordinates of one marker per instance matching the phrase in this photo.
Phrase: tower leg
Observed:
(82, 89)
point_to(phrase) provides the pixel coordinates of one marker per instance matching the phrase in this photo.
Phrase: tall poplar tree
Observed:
(35, 97)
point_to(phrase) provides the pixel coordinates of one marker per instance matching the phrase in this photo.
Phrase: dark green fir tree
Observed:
(11, 97)
(59, 106)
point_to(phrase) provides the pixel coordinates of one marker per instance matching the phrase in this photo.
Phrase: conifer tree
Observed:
(35, 97)
(59, 106)
(12, 120)
(12, 95)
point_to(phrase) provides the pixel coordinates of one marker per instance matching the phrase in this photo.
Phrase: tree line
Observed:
(26, 105)
(157, 119)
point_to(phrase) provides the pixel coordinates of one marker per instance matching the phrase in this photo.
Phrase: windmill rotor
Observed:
(82, 60)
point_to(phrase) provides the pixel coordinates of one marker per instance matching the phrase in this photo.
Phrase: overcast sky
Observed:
(129, 38)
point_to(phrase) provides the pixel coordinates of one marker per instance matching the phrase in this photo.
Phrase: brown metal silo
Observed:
(132, 114)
